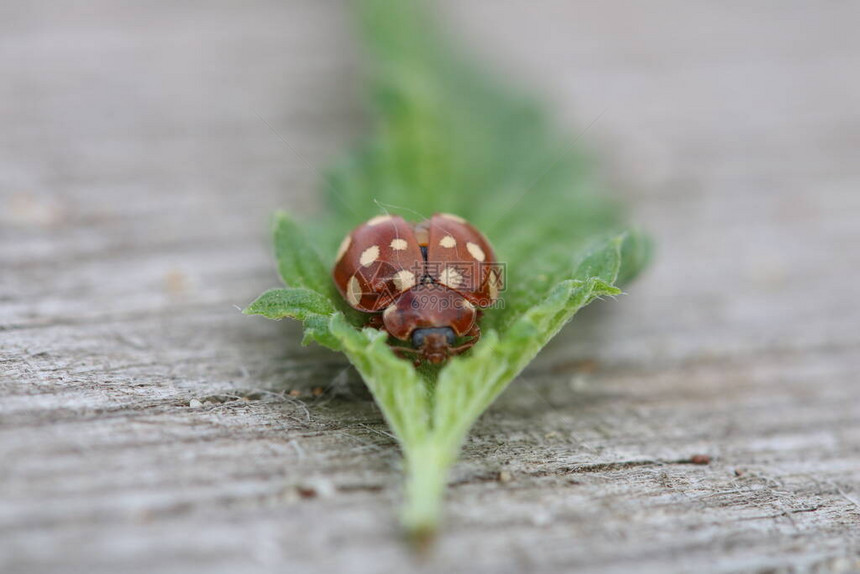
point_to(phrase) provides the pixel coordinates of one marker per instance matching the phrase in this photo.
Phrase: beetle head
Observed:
(433, 343)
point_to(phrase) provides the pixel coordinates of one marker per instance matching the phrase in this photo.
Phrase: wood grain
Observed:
(146, 425)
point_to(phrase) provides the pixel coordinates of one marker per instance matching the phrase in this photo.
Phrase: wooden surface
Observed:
(146, 425)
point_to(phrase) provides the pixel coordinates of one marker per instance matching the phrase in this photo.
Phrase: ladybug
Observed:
(425, 283)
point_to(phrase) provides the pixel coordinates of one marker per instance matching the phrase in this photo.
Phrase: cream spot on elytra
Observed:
(369, 255)
(399, 244)
(494, 290)
(353, 291)
(450, 277)
(476, 251)
(494, 283)
(448, 241)
(403, 280)
(389, 310)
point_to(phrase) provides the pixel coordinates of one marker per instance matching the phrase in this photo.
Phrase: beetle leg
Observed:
(375, 322)
(462, 348)
(402, 352)
(474, 335)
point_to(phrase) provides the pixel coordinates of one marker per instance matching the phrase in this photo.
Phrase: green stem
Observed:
(427, 466)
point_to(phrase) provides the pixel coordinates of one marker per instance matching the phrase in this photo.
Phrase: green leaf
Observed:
(310, 307)
(448, 137)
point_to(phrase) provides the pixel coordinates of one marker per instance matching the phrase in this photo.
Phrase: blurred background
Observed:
(144, 423)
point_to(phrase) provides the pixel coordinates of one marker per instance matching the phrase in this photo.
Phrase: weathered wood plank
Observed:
(145, 424)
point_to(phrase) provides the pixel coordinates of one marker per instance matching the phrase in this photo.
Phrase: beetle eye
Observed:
(418, 338)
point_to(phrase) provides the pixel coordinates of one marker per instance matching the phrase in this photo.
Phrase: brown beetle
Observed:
(425, 284)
